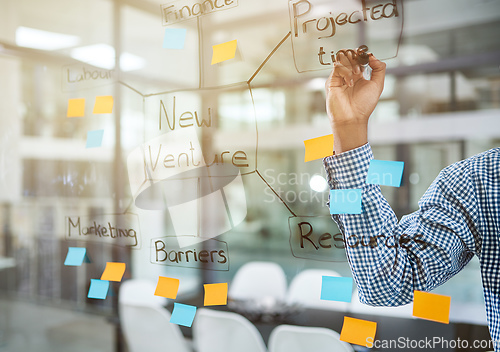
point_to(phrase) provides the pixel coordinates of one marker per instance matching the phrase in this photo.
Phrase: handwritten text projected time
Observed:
(320, 28)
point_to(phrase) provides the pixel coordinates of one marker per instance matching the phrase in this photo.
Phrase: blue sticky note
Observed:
(183, 314)
(75, 256)
(345, 201)
(336, 288)
(385, 173)
(174, 38)
(98, 289)
(94, 138)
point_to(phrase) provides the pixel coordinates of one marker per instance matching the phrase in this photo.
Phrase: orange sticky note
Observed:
(224, 51)
(113, 271)
(215, 294)
(318, 148)
(167, 287)
(76, 107)
(431, 306)
(103, 104)
(359, 332)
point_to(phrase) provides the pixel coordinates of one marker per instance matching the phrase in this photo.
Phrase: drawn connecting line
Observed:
(299, 12)
(277, 195)
(248, 84)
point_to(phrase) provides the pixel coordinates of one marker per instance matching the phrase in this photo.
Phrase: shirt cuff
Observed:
(348, 170)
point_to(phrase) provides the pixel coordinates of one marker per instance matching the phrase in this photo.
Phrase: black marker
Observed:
(363, 60)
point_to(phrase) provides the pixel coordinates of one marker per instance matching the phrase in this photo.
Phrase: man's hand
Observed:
(350, 100)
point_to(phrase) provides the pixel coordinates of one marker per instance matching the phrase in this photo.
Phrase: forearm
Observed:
(349, 136)
(390, 260)
(383, 255)
(369, 237)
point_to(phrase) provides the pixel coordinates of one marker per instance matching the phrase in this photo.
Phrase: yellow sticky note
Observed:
(103, 104)
(318, 148)
(167, 287)
(76, 107)
(215, 294)
(113, 271)
(431, 306)
(224, 51)
(359, 332)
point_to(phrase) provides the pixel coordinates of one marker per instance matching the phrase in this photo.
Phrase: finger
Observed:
(353, 62)
(348, 58)
(341, 71)
(334, 80)
(344, 72)
(378, 70)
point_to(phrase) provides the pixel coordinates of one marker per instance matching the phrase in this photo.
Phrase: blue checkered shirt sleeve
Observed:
(458, 216)
(391, 259)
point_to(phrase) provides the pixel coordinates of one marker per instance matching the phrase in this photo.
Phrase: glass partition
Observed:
(104, 103)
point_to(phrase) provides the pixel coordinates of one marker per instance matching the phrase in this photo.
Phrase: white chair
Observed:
(305, 289)
(219, 331)
(257, 280)
(140, 292)
(145, 323)
(356, 306)
(288, 338)
(148, 328)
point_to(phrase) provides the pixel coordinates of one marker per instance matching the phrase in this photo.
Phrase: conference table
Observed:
(266, 318)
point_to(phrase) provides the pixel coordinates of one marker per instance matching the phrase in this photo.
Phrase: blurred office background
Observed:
(441, 104)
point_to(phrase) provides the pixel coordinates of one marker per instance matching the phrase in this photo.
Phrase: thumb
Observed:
(334, 80)
(378, 70)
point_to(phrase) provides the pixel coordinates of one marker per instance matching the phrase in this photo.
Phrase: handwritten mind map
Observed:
(183, 110)
(331, 25)
(166, 251)
(178, 11)
(84, 76)
(175, 170)
(103, 228)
